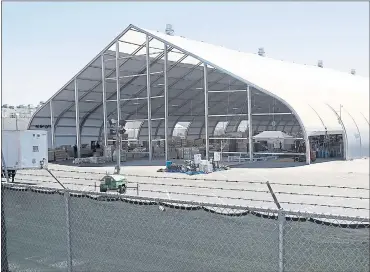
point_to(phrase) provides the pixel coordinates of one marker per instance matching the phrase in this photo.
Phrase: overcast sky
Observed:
(45, 44)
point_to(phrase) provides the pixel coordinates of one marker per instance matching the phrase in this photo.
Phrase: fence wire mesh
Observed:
(49, 229)
(325, 244)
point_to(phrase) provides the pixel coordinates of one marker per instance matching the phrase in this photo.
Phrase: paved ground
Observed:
(118, 236)
(176, 186)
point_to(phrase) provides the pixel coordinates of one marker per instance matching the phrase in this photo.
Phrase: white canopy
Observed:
(271, 135)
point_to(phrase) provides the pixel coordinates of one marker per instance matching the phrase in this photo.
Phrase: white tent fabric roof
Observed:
(316, 94)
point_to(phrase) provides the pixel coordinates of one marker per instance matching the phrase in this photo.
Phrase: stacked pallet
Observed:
(51, 155)
(180, 153)
(124, 142)
(242, 146)
(162, 143)
(177, 141)
(225, 146)
(187, 154)
(61, 155)
(172, 154)
(189, 143)
(171, 143)
(123, 156)
(184, 142)
(108, 151)
(158, 151)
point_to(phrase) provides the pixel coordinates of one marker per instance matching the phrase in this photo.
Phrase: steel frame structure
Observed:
(153, 77)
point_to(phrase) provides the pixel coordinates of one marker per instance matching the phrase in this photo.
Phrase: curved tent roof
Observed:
(324, 100)
(317, 95)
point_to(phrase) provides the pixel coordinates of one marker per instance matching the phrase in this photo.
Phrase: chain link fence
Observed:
(48, 229)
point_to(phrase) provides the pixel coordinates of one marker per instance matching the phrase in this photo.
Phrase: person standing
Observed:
(75, 150)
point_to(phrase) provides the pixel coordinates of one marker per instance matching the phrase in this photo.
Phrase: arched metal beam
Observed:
(142, 70)
(367, 121)
(144, 88)
(345, 137)
(187, 101)
(174, 83)
(295, 124)
(82, 122)
(358, 130)
(78, 74)
(322, 122)
(202, 102)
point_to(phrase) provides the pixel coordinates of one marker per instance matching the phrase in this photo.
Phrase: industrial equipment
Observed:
(26, 149)
(113, 183)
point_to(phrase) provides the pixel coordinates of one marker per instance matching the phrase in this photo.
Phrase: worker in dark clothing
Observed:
(281, 146)
(75, 150)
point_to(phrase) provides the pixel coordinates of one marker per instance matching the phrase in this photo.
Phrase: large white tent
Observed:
(166, 79)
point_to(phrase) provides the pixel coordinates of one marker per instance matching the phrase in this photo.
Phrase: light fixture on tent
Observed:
(353, 71)
(261, 52)
(169, 30)
(320, 64)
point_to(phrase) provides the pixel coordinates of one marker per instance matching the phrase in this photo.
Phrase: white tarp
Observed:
(275, 138)
(272, 135)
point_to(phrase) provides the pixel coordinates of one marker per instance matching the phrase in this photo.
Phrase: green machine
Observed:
(113, 183)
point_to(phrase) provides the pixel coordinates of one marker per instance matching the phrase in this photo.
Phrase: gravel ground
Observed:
(176, 186)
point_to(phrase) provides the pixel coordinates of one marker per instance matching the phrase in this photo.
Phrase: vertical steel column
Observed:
(206, 109)
(68, 227)
(281, 220)
(165, 102)
(3, 166)
(105, 136)
(250, 127)
(118, 138)
(149, 98)
(52, 128)
(308, 149)
(77, 109)
(16, 121)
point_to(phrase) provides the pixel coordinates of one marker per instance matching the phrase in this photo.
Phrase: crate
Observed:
(180, 153)
(60, 155)
(199, 142)
(51, 155)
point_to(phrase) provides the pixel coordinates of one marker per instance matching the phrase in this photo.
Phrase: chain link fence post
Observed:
(4, 252)
(68, 228)
(281, 220)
